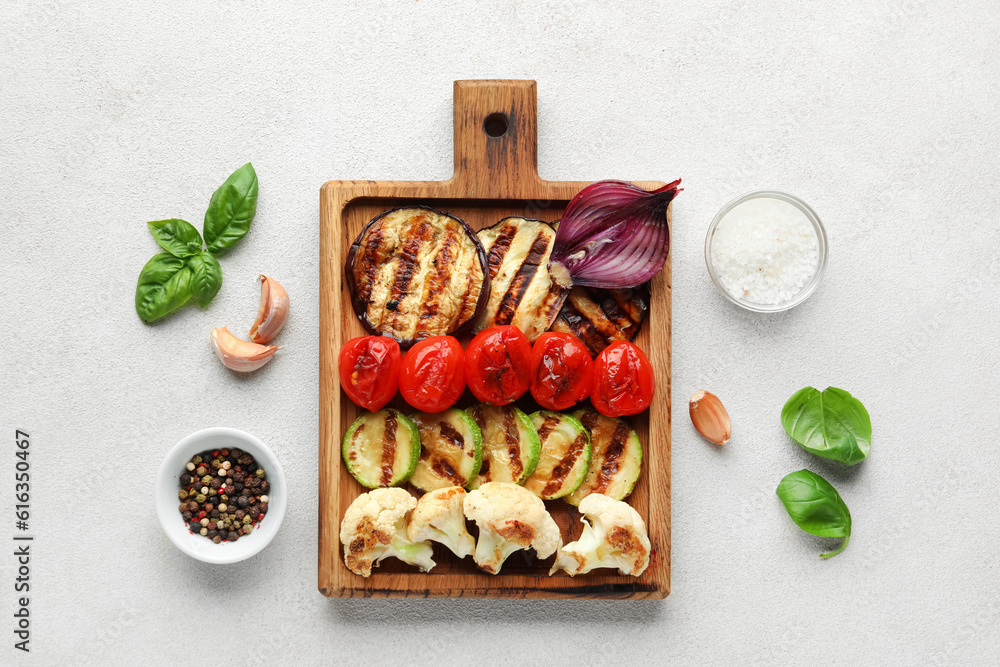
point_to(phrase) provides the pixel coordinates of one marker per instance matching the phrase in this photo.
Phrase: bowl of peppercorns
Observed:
(220, 495)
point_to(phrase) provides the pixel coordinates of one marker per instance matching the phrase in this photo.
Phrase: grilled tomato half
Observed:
(623, 380)
(498, 365)
(562, 372)
(415, 272)
(369, 370)
(433, 374)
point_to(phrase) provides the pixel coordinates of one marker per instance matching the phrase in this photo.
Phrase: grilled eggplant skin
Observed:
(415, 272)
(599, 317)
(522, 291)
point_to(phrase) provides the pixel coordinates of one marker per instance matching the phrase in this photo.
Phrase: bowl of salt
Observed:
(766, 251)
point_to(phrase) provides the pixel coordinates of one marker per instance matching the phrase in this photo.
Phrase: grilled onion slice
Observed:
(414, 272)
(521, 291)
(599, 317)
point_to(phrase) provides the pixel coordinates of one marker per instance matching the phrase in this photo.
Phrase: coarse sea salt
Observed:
(765, 251)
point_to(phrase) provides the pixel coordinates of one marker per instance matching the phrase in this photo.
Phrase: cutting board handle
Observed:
(496, 137)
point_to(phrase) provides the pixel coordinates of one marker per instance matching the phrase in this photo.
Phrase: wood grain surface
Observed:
(495, 177)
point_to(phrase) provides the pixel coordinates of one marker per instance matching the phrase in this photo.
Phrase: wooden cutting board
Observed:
(496, 175)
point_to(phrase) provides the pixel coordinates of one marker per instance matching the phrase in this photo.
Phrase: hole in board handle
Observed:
(495, 125)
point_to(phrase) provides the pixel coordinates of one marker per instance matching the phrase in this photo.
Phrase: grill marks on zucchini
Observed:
(389, 448)
(522, 293)
(415, 272)
(565, 456)
(617, 457)
(510, 444)
(451, 449)
(599, 317)
(381, 448)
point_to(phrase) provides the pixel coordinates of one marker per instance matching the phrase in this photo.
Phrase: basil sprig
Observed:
(829, 423)
(187, 269)
(815, 506)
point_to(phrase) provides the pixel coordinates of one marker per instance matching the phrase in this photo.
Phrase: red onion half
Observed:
(613, 235)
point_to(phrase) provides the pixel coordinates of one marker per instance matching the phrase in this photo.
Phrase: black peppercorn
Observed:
(232, 537)
(217, 539)
(243, 501)
(240, 514)
(187, 516)
(194, 526)
(215, 483)
(235, 453)
(214, 514)
(254, 512)
(212, 532)
(185, 479)
(265, 486)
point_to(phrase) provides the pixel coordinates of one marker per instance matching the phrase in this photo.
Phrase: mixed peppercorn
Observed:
(223, 494)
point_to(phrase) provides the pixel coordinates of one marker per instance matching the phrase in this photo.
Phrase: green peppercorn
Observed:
(247, 529)
(196, 460)
(247, 519)
(202, 470)
(212, 492)
(216, 464)
(206, 480)
(182, 494)
(259, 474)
(200, 498)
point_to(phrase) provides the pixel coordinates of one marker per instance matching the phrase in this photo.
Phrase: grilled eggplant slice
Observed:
(381, 448)
(599, 317)
(521, 291)
(565, 457)
(510, 444)
(451, 449)
(415, 272)
(616, 461)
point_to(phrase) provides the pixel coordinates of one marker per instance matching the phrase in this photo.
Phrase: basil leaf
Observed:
(206, 277)
(832, 424)
(164, 286)
(231, 210)
(176, 236)
(815, 506)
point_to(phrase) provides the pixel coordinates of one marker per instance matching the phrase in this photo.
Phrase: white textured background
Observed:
(882, 115)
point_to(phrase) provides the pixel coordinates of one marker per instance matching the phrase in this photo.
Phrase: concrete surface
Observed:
(882, 115)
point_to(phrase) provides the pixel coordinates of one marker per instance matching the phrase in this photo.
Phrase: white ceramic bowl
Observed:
(168, 484)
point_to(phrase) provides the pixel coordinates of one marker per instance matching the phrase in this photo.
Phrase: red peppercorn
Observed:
(202, 514)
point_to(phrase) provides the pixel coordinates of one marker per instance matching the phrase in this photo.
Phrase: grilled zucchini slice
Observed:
(616, 461)
(510, 444)
(521, 291)
(451, 449)
(415, 272)
(565, 455)
(381, 448)
(599, 317)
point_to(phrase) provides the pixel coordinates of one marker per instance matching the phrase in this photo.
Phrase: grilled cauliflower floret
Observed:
(509, 518)
(614, 535)
(439, 517)
(374, 528)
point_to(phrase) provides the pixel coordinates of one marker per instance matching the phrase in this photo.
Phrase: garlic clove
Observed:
(240, 355)
(709, 416)
(272, 312)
